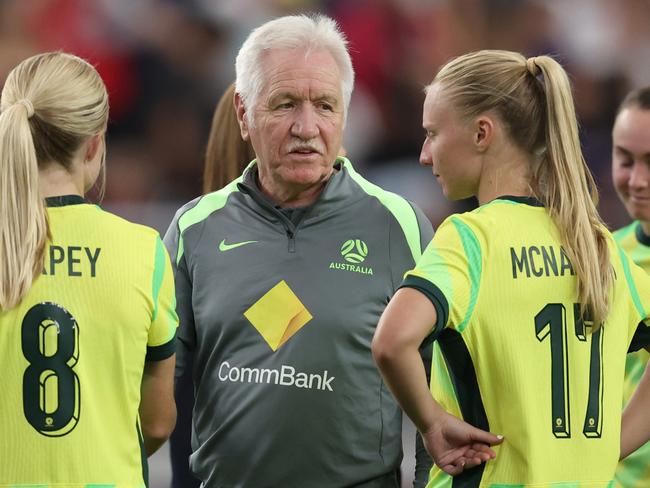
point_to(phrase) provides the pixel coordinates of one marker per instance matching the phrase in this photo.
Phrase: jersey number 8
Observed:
(551, 322)
(50, 343)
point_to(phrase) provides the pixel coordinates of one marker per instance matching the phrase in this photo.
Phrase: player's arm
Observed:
(157, 407)
(406, 322)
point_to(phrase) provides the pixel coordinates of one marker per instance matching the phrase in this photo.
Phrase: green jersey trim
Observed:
(472, 250)
(398, 206)
(633, 473)
(640, 339)
(143, 455)
(63, 201)
(511, 200)
(442, 372)
(161, 352)
(463, 376)
(532, 201)
(158, 275)
(30, 486)
(207, 205)
(630, 283)
(623, 232)
(559, 484)
(441, 479)
(641, 236)
(433, 293)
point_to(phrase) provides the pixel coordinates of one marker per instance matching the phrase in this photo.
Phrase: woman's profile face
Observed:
(448, 146)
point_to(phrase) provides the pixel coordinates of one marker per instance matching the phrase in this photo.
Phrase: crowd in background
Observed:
(166, 63)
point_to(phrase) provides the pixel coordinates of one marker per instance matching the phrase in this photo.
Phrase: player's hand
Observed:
(455, 445)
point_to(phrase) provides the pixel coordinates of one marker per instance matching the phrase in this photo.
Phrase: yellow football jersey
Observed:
(513, 354)
(73, 352)
(634, 471)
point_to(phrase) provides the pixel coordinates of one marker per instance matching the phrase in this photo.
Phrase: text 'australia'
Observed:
(538, 261)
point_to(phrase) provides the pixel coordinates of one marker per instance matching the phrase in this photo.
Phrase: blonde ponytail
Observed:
(51, 103)
(570, 194)
(533, 98)
(23, 223)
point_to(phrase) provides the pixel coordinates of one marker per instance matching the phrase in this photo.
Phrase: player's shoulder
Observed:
(125, 228)
(125, 239)
(508, 211)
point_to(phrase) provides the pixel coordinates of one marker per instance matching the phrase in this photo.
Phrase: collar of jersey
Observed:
(641, 236)
(64, 200)
(532, 201)
(337, 192)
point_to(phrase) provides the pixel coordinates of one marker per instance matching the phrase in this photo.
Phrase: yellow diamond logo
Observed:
(278, 315)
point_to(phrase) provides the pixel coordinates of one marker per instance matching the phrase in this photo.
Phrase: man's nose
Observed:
(305, 125)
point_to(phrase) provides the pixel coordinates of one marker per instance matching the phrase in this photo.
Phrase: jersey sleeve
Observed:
(638, 282)
(183, 284)
(407, 242)
(448, 273)
(426, 229)
(161, 343)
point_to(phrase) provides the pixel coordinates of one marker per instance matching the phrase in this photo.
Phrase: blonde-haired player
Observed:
(87, 320)
(532, 304)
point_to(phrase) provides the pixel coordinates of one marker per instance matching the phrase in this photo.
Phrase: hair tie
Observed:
(531, 66)
(28, 106)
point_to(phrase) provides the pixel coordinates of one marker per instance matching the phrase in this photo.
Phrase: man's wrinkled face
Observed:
(297, 122)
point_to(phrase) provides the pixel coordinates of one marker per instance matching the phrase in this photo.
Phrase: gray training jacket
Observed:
(277, 309)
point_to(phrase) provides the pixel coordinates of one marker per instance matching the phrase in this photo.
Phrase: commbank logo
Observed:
(278, 315)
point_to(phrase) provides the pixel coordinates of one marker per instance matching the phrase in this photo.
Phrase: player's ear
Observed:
(93, 146)
(483, 132)
(240, 110)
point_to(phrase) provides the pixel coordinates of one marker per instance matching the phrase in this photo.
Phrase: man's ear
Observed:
(93, 145)
(240, 110)
(483, 132)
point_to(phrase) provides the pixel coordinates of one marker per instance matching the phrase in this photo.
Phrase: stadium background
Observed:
(166, 62)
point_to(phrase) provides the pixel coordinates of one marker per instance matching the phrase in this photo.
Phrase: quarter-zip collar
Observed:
(336, 189)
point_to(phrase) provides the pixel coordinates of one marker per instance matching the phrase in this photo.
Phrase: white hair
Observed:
(291, 32)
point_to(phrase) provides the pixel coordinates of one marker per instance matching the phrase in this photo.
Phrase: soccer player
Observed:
(631, 177)
(532, 305)
(87, 320)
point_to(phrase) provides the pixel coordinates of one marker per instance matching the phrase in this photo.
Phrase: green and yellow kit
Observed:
(515, 355)
(73, 352)
(634, 471)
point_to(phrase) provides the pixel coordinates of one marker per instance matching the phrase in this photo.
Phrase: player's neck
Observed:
(55, 180)
(504, 173)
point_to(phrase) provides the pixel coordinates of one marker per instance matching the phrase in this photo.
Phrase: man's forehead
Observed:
(288, 68)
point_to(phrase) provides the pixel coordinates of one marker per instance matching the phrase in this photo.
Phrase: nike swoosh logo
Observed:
(227, 247)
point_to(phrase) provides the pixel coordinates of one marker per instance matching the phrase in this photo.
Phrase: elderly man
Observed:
(282, 276)
(631, 177)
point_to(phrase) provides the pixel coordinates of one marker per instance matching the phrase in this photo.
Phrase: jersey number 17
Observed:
(551, 322)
